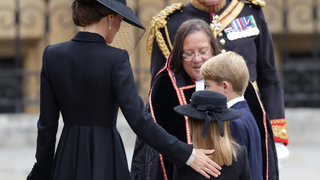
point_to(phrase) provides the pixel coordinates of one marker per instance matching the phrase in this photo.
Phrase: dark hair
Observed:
(189, 27)
(85, 12)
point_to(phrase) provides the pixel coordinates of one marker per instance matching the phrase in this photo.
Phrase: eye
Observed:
(203, 52)
(188, 55)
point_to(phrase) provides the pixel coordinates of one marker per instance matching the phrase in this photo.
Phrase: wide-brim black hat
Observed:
(131, 29)
(120, 7)
(208, 106)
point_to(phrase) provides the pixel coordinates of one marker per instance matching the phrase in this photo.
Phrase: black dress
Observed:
(87, 81)
(239, 170)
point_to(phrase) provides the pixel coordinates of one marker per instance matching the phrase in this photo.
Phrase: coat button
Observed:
(220, 34)
(223, 51)
(222, 41)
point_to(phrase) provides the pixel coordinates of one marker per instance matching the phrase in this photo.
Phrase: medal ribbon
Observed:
(220, 19)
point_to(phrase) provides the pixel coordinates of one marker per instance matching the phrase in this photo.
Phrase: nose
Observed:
(197, 58)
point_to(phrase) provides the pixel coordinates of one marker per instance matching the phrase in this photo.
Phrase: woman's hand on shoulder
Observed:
(204, 165)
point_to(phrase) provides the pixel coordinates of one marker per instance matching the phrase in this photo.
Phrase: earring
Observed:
(110, 25)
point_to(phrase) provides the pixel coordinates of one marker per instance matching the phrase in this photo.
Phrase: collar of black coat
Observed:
(203, 7)
(183, 79)
(89, 37)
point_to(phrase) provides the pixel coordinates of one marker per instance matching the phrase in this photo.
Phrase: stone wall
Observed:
(34, 39)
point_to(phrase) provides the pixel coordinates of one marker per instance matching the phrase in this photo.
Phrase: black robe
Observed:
(164, 95)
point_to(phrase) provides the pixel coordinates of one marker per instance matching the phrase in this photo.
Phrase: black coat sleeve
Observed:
(141, 122)
(47, 126)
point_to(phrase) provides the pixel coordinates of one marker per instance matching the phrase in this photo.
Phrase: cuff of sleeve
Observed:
(191, 158)
(280, 130)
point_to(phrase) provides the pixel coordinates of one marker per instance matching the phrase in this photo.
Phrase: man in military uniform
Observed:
(239, 26)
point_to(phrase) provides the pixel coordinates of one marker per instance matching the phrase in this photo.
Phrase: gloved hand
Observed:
(282, 153)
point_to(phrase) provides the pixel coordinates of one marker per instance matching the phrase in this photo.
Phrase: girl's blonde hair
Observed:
(225, 147)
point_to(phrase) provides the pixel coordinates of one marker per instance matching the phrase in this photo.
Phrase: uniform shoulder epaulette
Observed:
(160, 21)
(260, 3)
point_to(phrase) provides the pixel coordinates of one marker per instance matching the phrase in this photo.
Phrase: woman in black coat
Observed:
(87, 81)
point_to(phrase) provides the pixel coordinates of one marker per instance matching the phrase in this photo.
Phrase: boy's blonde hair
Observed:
(228, 66)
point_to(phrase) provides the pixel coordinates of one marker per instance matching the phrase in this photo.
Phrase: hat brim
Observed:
(190, 111)
(124, 11)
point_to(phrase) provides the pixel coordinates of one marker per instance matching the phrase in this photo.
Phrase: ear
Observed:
(110, 17)
(226, 86)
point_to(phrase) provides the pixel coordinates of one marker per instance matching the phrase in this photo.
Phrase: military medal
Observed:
(215, 24)
(241, 28)
(219, 23)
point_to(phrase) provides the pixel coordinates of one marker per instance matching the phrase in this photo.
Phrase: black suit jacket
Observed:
(246, 132)
(87, 81)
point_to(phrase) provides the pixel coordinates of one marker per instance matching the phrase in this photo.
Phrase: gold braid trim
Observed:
(159, 21)
(260, 3)
(255, 85)
(278, 121)
(168, 37)
(280, 131)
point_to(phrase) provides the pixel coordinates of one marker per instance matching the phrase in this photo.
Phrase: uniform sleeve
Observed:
(47, 126)
(142, 123)
(269, 84)
(246, 173)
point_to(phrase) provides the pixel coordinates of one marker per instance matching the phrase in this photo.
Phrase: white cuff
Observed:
(282, 153)
(191, 158)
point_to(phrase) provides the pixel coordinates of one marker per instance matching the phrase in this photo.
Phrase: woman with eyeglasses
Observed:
(173, 86)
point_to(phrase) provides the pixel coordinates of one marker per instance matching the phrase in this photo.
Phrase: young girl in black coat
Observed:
(208, 119)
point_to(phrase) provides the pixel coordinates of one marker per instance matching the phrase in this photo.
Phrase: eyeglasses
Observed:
(190, 56)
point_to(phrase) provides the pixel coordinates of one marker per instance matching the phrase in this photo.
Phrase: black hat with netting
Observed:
(131, 29)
